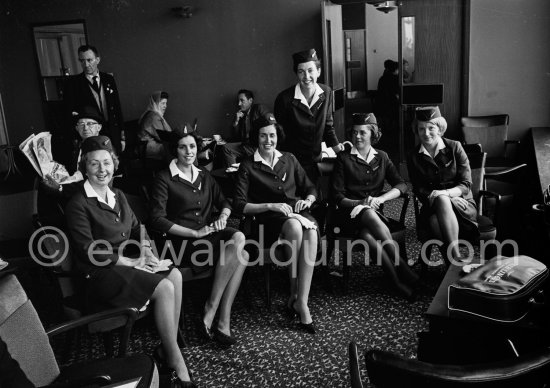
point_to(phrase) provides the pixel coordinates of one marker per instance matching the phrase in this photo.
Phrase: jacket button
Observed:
(123, 234)
(279, 188)
(276, 177)
(194, 191)
(198, 202)
(116, 219)
(197, 213)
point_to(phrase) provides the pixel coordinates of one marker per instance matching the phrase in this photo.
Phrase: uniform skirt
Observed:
(272, 223)
(199, 254)
(467, 218)
(348, 226)
(121, 286)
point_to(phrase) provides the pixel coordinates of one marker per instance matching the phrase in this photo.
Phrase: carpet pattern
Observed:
(271, 351)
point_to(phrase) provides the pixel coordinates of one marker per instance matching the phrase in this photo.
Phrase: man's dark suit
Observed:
(78, 94)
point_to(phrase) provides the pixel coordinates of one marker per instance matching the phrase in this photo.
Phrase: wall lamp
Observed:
(185, 11)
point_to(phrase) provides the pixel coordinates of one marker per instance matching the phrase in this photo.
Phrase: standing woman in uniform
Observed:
(100, 223)
(274, 188)
(440, 173)
(358, 182)
(182, 206)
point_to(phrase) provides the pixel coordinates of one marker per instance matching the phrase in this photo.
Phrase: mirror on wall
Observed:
(407, 49)
(56, 46)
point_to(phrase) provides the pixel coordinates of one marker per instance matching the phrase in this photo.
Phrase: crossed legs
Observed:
(379, 238)
(444, 225)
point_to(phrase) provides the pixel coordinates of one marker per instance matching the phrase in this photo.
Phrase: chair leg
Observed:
(108, 343)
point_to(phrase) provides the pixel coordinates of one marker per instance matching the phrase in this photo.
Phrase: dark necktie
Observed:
(245, 127)
(97, 88)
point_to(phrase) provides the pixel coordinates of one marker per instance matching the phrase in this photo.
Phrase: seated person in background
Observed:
(358, 181)
(182, 205)
(51, 194)
(440, 173)
(100, 222)
(274, 187)
(151, 121)
(240, 147)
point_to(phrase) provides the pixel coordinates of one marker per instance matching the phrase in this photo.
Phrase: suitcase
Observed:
(503, 289)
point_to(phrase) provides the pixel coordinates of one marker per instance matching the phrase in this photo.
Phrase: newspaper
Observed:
(38, 150)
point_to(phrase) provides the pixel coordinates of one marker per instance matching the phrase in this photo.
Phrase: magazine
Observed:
(38, 150)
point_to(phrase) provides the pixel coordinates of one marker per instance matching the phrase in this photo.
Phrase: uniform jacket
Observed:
(354, 178)
(77, 94)
(306, 128)
(89, 220)
(257, 183)
(449, 169)
(242, 131)
(177, 201)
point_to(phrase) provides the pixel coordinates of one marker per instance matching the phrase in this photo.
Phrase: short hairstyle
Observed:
(317, 64)
(247, 93)
(375, 131)
(176, 136)
(86, 47)
(164, 95)
(84, 160)
(439, 121)
(255, 134)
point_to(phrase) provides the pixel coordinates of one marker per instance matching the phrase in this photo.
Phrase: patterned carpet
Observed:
(271, 351)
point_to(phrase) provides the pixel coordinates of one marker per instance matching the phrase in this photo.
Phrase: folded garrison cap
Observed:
(263, 121)
(96, 143)
(364, 119)
(305, 56)
(427, 113)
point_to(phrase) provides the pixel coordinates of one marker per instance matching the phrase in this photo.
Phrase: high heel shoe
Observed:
(160, 360)
(176, 382)
(307, 327)
(204, 331)
(223, 338)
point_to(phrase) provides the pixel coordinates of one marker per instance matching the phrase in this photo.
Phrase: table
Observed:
(541, 143)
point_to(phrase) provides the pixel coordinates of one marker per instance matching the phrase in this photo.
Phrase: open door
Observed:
(334, 61)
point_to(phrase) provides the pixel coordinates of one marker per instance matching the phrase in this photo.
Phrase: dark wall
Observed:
(201, 61)
(353, 16)
(439, 30)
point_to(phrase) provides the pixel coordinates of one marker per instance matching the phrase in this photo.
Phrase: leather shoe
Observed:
(204, 331)
(175, 381)
(308, 327)
(223, 338)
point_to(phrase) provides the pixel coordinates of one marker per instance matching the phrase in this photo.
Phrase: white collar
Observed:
(175, 171)
(440, 146)
(300, 96)
(258, 158)
(370, 155)
(90, 193)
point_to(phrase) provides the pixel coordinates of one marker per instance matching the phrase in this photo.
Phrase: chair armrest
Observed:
(130, 312)
(502, 173)
(355, 374)
(92, 381)
(406, 199)
(391, 370)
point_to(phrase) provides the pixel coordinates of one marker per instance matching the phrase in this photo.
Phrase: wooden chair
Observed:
(28, 343)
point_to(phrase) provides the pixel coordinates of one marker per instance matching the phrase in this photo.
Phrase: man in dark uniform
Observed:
(97, 89)
(305, 112)
(240, 146)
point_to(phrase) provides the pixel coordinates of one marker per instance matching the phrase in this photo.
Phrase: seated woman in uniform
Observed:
(358, 181)
(101, 223)
(274, 187)
(440, 173)
(182, 206)
(152, 121)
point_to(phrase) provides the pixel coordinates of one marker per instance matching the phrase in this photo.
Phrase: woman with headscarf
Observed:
(152, 121)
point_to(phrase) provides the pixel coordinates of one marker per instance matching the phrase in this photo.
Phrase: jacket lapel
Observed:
(298, 105)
